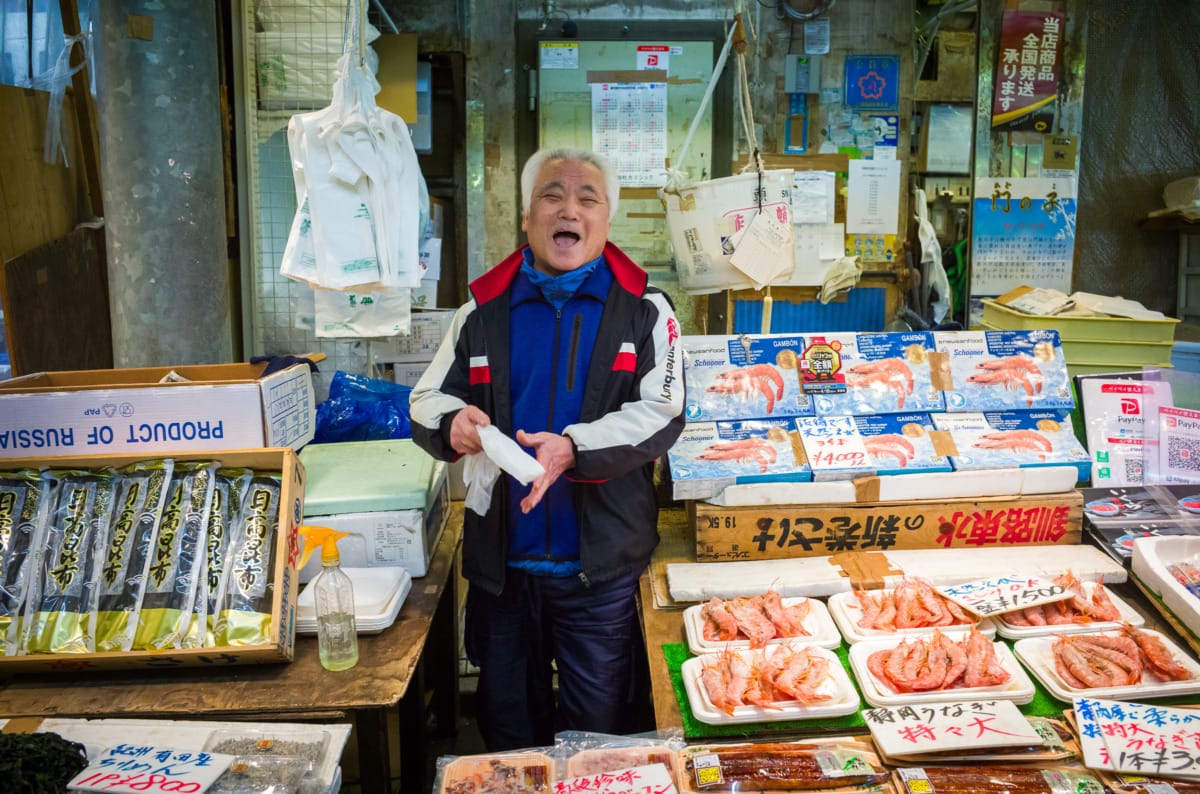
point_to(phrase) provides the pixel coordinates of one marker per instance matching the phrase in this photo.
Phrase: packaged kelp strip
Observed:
(62, 616)
(23, 504)
(175, 564)
(247, 586)
(230, 486)
(140, 496)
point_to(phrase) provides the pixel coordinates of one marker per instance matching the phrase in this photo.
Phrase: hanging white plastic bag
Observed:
(378, 313)
(932, 271)
(359, 191)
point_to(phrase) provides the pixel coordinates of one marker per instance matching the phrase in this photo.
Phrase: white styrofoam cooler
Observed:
(390, 496)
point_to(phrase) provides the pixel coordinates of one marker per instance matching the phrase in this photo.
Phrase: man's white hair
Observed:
(533, 167)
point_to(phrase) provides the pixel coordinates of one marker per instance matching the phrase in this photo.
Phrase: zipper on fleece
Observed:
(550, 416)
(574, 353)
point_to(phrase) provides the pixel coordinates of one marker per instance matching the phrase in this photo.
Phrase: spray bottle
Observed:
(333, 595)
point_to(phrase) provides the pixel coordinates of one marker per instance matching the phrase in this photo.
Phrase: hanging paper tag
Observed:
(765, 251)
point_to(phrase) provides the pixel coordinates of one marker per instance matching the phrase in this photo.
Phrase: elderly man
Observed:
(566, 347)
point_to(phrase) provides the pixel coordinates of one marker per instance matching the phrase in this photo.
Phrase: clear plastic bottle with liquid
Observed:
(333, 598)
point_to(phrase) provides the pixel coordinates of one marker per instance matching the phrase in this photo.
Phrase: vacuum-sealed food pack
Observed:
(61, 609)
(23, 499)
(140, 495)
(244, 606)
(175, 566)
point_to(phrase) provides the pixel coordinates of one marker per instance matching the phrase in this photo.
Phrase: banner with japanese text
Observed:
(1028, 63)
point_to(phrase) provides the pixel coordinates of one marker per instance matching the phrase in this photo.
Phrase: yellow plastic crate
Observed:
(1115, 354)
(1083, 329)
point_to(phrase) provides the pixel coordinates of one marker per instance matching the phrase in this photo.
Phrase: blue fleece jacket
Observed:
(552, 350)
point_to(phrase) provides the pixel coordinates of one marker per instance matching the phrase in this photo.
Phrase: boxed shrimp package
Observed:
(871, 373)
(743, 377)
(1009, 439)
(708, 456)
(904, 443)
(1005, 370)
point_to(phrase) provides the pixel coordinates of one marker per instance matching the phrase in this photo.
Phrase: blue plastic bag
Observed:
(363, 409)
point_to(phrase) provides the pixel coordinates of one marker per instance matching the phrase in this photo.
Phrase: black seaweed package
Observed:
(23, 502)
(247, 586)
(62, 612)
(228, 490)
(140, 495)
(174, 574)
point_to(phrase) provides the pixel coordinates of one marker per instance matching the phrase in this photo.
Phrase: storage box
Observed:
(789, 531)
(280, 648)
(390, 496)
(1117, 353)
(1092, 329)
(117, 411)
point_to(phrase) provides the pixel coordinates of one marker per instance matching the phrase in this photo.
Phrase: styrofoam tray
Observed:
(1037, 654)
(379, 594)
(1128, 615)
(1151, 560)
(846, 613)
(821, 630)
(1019, 688)
(844, 698)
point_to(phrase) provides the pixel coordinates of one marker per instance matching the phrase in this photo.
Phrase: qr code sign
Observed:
(1182, 454)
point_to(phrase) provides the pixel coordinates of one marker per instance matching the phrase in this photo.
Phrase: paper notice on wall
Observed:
(813, 196)
(629, 127)
(817, 247)
(1022, 233)
(654, 56)
(764, 251)
(873, 203)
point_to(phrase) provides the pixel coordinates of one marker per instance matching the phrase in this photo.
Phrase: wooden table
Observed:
(663, 623)
(392, 670)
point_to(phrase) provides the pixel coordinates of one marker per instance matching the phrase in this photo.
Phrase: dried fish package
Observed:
(62, 614)
(247, 588)
(23, 502)
(229, 487)
(141, 494)
(173, 577)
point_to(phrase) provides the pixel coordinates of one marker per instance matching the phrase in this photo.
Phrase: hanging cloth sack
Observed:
(708, 221)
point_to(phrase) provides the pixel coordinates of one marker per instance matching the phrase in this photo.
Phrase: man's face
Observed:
(567, 223)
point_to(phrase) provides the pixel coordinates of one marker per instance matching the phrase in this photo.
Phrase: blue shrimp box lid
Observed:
(367, 477)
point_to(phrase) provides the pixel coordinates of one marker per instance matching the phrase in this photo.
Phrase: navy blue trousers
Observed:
(591, 634)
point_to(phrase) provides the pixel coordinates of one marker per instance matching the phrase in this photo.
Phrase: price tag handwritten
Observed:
(1005, 593)
(1157, 741)
(936, 727)
(148, 768)
(648, 779)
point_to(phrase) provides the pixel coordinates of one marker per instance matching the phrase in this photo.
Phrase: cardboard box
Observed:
(789, 531)
(282, 644)
(401, 538)
(117, 411)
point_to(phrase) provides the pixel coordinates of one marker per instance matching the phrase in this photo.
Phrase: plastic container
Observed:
(1093, 329)
(842, 700)
(819, 625)
(1019, 688)
(379, 594)
(1037, 653)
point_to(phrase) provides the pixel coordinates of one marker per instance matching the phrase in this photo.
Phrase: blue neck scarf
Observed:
(559, 289)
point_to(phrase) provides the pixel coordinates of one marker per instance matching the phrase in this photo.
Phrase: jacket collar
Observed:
(496, 281)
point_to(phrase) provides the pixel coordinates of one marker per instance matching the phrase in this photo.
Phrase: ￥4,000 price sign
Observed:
(1005, 593)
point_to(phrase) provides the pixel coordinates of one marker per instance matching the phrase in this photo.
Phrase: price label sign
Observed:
(1000, 594)
(136, 767)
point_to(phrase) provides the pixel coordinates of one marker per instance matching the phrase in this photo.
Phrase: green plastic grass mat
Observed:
(1043, 705)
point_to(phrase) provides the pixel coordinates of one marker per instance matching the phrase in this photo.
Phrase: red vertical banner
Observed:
(1028, 64)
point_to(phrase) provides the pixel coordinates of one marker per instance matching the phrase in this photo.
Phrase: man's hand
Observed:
(464, 430)
(555, 453)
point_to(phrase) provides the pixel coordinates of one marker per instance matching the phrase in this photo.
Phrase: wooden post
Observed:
(81, 96)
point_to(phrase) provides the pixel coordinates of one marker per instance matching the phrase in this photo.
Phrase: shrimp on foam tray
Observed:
(1089, 661)
(767, 679)
(914, 604)
(937, 661)
(1079, 608)
(755, 618)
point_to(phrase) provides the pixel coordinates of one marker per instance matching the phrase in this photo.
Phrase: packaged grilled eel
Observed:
(23, 502)
(247, 586)
(141, 494)
(228, 489)
(833, 765)
(175, 564)
(997, 780)
(62, 607)
(1125, 783)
